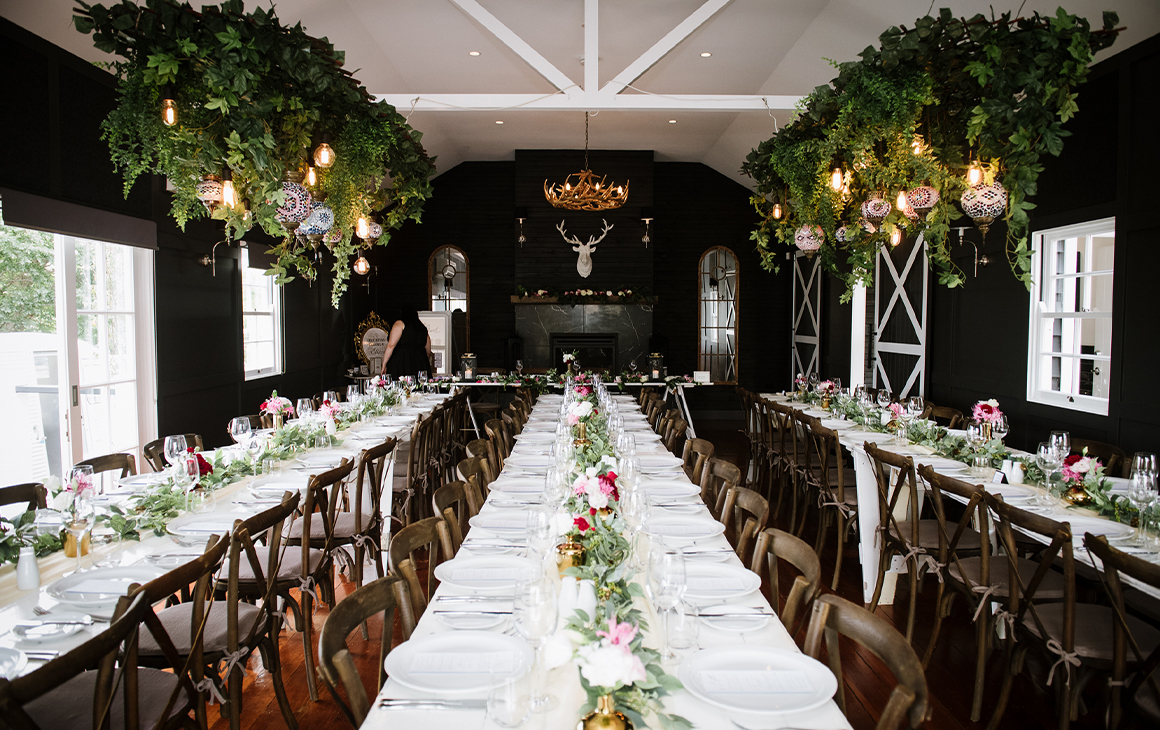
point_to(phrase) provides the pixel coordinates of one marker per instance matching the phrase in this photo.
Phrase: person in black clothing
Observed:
(409, 346)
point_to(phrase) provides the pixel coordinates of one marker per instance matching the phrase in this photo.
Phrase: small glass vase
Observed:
(581, 440)
(569, 555)
(605, 717)
(278, 420)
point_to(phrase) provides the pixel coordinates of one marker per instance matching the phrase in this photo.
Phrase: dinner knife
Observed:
(434, 704)
(79, 621)
(468, 612)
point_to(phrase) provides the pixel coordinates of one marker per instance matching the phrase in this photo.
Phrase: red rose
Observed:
(1072, 460)
(203, 466)
(581, 523)
(592, 511)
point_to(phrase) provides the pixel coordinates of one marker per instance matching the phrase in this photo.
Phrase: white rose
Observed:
(557, 650)
(993, 403)
(582, 409)
(887, 416)
(591, 472)
(62, 501)
(596, 498)
(610, 666)
(562, 521)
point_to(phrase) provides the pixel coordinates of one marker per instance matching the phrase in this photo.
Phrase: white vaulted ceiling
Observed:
(776, 49)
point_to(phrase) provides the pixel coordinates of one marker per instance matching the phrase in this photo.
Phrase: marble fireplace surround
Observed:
(632, 323)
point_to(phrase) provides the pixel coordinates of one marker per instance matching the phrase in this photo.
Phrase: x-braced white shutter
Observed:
(900, 319)
(807, 312)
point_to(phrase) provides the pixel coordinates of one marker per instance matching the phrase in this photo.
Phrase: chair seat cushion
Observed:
(1051, 587)
(344, 524)
(177, 620)
(289, 568)
(70, 706)
(1093, 629)
(928, 531)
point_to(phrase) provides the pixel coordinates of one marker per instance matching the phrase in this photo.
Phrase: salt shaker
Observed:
(27, 570)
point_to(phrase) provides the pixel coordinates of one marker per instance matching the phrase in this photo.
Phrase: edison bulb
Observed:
(896, 237)
(311, 176)
(974, 175)
(362, 229)
(901, 202)
(362, 266)
(777, 211)
(917, 147)
(229, 196)
(169, 112)
(836, 178)
(323, 155)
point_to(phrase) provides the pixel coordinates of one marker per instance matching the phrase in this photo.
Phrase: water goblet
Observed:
(423, 379)
(813, 380)
(534, 613)
(667, 583)
(541, 531)
(239, 430)
(305, 409)
(883, 398)
(1061, 441)
(175, 446)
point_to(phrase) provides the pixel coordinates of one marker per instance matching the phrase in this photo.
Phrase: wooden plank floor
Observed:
(867, 681)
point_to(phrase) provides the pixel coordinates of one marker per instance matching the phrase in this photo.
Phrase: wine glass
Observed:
(520, 368)
(541, 531)
(352, 393)
(632, 366)
(175, 446)
(626, 445)
(1049, 460)
(837, 384)
(254, 447)
(534, 613)
(883, 398)
(239, 431)
(1000, 428)
(190, 472)
(866, 402)
(1145, 463)
(331, 395)
(305, 410)
(556, 488)
(423, 379)
(80, 520)
(1061, 441)
(667, 583)
(813, 381)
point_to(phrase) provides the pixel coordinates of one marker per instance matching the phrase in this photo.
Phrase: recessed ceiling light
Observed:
(499, 121)
(672, 121)
(706, 54)
(473, 53)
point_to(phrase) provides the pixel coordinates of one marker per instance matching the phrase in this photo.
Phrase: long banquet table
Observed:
(231, 502)
(854, 438)
(564, 681)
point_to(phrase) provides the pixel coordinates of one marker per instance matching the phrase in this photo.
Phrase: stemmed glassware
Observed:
(305, 410)
(423, 380)
(667, 583)
(534, 612)
(1000, 428)
(1061, 442)
(1049, 460)
(813, 380)
(883, 398)
(1142, 489)
(190, 475)
(866, 402)
(79, 519)
(175, 446)
(632, 366)
(520, 368)
(541, 532)
(556, 488)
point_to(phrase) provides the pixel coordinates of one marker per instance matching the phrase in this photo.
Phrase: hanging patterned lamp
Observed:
(209, 192)
(809, 238)
(922, 199)
(333, 236)
(875, 209)
(374, 231)
(984, 203)
(296, 202)
(845, 234)
(904, 207)
(316, 225)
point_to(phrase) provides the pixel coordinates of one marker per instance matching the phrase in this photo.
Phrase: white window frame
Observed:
(1038, 382)
(275, 313)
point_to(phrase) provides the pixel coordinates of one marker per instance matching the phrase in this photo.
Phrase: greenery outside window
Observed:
(1070, 342)
(261, 321)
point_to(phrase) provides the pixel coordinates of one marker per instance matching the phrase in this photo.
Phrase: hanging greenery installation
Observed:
(913, 117)
(252, 102)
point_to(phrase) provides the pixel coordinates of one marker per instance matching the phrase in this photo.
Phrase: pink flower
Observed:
(987, 411)
(619, 633)
(573, 419)
(896, 409)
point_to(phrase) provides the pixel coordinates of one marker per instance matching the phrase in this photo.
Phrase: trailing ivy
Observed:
(995, 91)
(253, 97)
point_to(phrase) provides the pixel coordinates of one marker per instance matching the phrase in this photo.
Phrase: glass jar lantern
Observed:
(467, 363)
(656, 365)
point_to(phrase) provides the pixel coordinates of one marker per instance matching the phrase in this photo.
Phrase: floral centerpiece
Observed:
(987, 413)
(329, 413)
(569, 360)
(277, 407)
(1084, 483)
(204, 468)
(71, 499)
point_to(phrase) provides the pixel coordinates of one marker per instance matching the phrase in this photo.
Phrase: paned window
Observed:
(261, 321)
(717, 315)
(1070, 346)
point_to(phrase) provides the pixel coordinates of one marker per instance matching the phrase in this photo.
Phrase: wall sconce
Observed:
(521, 216)
(646, 215)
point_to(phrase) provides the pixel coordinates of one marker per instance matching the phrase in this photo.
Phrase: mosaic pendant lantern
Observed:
(374, 231)
(875, 209)
(809, 239)
(845, 234)
(209, 192)
(316, 225)
(333, 236)
(906, 209)
(922, 199)
(296, 202)
(984, 203)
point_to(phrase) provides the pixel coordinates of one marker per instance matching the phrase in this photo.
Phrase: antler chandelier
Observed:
(587, 192)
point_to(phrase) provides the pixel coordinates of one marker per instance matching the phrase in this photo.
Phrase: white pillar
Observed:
(858, 337)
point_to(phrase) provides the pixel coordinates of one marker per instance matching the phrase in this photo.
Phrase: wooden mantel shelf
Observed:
(649, 301)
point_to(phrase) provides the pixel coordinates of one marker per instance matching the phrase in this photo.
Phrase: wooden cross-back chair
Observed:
(774, 545)
(835, 500)
(1116, 462)
(675, 432)
(779, 455)
(908, 536)
(482, 449)
(256, 582)
(125, 463)
(805, 482)
(909, 702)
(501, 437)
(154, 451)
(456, 503)
(421, 476)
(717, 478)
(335, 665)
(694, 456)
(100, 684)
(943, 415)
(1135, 687)
(32, 494)
(748, 513)
(430, 533)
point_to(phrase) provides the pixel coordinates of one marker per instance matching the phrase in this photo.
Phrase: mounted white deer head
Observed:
(584, 261)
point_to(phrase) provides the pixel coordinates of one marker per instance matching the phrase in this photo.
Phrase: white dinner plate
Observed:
(139, 482)
(12, 662)
(710, 583)
(489, 574)
(394, 420)
(45, 633)
(680, 528)
(502, 521)
(738, 619)
(518, 485)
(468, 621)
(536, 461)
(374, 432)
(637, 427)
(329, 458)
(648, 461)
(1012, 492)
(1094, 525)
(100, 586)
(204, 525)
(536, 437)
(458, 663)
(757, 679)
(663, 490)
(272, 486)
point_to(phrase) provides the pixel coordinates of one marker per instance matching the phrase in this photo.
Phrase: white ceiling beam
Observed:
(543, 66)
(581, 101)
(662, 47)
(591, 45)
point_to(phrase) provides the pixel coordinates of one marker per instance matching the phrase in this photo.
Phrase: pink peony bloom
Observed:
(619, 633)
